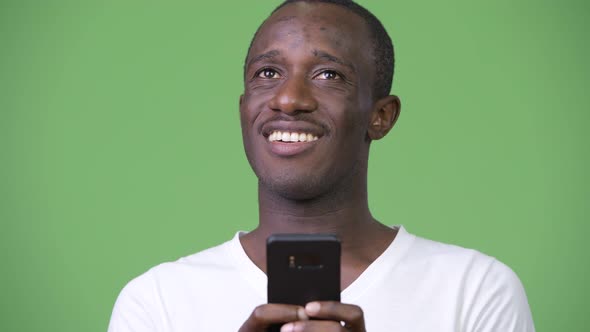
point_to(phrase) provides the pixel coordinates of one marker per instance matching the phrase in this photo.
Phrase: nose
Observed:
(293, 96)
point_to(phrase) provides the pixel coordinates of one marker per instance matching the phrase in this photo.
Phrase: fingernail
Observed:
(287, 328)
(301, 315)
(312, 308)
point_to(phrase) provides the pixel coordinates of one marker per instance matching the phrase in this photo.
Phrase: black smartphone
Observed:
(302, 268)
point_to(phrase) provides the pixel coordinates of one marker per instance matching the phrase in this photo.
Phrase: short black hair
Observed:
(383, 52)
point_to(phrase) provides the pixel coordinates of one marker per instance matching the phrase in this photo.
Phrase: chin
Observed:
(297, 186)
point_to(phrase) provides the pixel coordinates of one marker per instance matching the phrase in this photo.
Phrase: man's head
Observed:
(312, 104)
(383, 52)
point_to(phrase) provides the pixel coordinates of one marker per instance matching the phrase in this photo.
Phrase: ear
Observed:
(383, 116)
(241, 100)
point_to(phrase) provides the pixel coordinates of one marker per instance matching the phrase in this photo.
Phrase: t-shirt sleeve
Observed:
(133, 310)
(500, 304)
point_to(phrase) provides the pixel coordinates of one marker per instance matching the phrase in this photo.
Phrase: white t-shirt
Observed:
(415, 285)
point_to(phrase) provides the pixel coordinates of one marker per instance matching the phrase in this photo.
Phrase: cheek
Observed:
(353, 121)
(252, 106)
(248, 115)
(251, 112)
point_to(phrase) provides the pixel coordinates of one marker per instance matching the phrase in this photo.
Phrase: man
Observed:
(317, 81)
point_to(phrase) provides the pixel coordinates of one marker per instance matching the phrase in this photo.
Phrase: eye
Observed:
(328, 75)
(268, 73)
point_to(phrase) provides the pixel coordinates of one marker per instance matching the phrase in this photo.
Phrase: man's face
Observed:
(307, 99)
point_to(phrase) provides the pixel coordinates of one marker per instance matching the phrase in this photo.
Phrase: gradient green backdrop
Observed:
(120, 144)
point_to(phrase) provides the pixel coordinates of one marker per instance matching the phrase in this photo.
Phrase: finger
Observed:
(267, 314)
(351, 315)
(313, 326)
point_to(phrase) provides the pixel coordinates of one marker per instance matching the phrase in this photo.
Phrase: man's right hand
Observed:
(270, 314)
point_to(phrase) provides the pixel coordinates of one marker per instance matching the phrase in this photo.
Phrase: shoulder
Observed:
(139, 303)
(472, 268)
(444, 257)
(488, 293)
(205, 264)
(211, 260)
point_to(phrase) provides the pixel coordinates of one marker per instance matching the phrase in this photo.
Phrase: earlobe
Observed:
(384, 116)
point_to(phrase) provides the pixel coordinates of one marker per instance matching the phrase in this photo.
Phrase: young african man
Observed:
(316, 94)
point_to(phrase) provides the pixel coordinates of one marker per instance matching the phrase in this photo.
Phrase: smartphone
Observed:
(302, 268)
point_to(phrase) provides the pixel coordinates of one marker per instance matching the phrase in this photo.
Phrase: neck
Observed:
(343, 212)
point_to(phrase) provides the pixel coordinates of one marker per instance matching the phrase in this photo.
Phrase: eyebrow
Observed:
(332, 58)
(266, 55)
(318, 53)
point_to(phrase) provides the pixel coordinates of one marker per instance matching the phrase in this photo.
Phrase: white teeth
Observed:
(291, 137)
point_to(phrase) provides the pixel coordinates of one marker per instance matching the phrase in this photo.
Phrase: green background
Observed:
(120, 144)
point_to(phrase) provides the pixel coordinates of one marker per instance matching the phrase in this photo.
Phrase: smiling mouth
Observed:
(291, 137)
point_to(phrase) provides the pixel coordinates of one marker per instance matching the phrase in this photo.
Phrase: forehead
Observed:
(303, 26)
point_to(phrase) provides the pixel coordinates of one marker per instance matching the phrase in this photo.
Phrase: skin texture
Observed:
(311, 69)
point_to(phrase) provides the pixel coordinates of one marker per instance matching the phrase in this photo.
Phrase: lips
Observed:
(292, 127)
(286, 136)
(290, 138)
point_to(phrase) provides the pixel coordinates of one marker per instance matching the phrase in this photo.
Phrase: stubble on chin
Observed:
(306, 187)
